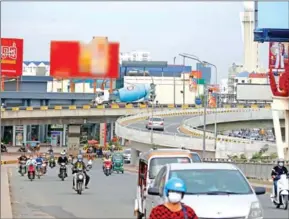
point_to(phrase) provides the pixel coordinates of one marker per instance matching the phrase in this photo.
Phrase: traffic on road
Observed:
(166, 177)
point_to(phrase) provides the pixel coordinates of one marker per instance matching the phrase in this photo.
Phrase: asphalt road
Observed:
(107, 197)
(171, 124)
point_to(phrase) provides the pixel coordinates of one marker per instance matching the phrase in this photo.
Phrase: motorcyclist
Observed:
(105, 159)
(50, 150)
(62, 159)
(39, 160)
(276, 172)
(32, 161)
(22, 158)
(175, 190)
(80, 164)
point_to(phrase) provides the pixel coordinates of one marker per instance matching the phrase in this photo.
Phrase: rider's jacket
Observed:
(39, 160)
(277, 171)
(62, 160)
(31, 161)
(106, 159)
(22, 158)
(79, 165)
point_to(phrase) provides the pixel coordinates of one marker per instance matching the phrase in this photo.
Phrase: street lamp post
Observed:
(217, 102)
(152, 97)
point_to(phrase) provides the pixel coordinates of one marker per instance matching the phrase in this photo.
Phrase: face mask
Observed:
(281, 164)
(174, 197)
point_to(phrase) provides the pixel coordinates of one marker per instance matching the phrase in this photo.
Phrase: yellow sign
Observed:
(44, 108)
(86, 107)
(58, 107)
(15, 108)
(72, 107)
(29, 108)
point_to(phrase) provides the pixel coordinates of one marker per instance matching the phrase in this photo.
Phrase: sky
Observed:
(211, 31)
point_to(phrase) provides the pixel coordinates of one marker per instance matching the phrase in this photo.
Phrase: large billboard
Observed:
(11, 57)
(273, 14)
(73, 59)
(254, 92)
(278, 57)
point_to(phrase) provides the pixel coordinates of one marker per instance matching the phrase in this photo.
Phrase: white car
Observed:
(127, 155)
(156, 123)
(214, 190)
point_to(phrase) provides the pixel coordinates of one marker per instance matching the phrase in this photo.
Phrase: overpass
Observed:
(132, 129)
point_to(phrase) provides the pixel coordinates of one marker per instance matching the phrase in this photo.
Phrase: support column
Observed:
(24, 134)
(111, 130)
(64, 135)
(102, 134)
(278, 134)
(134, 156)
(14, 136)
(73, 140)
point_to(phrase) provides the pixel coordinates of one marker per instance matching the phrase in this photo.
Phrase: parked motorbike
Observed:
(52, 162)
(63, 171)
(80, 181)
(39, 170)
(22, 149)
(281, 199)
(3, 148)
(23, 168)
(107, 169)
(31, 172)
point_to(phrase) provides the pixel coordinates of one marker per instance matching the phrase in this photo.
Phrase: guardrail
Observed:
(127, 106)
(253, 170)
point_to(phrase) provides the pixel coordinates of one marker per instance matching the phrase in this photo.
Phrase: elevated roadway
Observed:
(107, 197)
(140, 138)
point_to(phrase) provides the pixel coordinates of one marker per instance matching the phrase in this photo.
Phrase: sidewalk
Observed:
(6, 208)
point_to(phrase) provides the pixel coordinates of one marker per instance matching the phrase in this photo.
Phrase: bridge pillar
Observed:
(73, 140)
(134, 156)
(281, 104)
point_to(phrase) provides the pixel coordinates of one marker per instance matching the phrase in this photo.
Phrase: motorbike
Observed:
(22, 167)
(22, 149)
(39, 170)
(44, 167)
(89, 165)
(62, 171)
(80, 181)
(281, 199)
(31, 172)
(52, 163)
(107, 169)
(3, 148)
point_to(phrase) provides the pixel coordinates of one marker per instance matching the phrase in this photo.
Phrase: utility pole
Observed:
(152, 99)
(205, 121)
(184, 62)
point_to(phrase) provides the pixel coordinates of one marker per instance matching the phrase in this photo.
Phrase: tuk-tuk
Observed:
(149, 165)
(117, 160)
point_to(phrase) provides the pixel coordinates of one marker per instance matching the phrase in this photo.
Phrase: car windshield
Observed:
(196, 158)
(158, 162)
(156, 119)
(213, 181)
(127, 151)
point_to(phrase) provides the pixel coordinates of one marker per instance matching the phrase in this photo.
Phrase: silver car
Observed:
(127, 155)
(156, 123)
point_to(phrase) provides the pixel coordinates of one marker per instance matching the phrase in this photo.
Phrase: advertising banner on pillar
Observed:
(278, 57)
(73, 59)
(11, 57)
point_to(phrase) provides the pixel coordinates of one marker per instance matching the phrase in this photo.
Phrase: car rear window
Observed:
(158, 162)
(157, 119)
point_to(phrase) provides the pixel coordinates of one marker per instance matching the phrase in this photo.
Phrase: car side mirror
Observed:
(153, 191)
(260, 190)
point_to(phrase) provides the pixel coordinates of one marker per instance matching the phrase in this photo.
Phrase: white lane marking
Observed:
(171, 124)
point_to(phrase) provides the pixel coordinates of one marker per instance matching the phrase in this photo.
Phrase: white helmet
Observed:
(62, 153)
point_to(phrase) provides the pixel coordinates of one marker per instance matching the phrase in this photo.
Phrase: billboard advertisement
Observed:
(254, 92)
(73, 59)
(278, 57)
(11, 57)
(273, 14)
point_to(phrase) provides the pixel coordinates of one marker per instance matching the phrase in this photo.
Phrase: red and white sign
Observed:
(73, 59)
(11, 57)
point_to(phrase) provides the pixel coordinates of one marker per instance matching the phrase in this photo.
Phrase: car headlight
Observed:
(256, 211)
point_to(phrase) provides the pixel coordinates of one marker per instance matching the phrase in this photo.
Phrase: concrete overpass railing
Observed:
(225, 145)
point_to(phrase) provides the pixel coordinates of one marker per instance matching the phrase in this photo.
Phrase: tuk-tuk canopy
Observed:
(117, 156)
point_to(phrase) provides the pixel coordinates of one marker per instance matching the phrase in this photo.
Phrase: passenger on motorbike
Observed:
(50, 150)
(79, 164)
(22, 158)
(276, 172)
(62, 159)
(175, 190)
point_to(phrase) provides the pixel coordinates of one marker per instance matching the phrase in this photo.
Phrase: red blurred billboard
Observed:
(278, 57)
(73, 59)
(11, 57)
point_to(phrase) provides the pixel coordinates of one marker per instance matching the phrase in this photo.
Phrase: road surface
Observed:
(107, 197)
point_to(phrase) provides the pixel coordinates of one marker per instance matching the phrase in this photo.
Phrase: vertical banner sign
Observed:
(73, 59)
(11, 57)
(279, 68)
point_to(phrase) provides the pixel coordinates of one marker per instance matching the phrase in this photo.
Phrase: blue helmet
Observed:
(176, 185)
